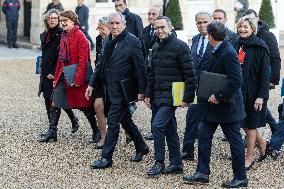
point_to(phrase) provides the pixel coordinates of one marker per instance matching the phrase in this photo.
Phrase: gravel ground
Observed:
(24, 163)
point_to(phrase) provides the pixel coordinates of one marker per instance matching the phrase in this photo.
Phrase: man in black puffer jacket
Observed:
(172, 62)
(275, 60)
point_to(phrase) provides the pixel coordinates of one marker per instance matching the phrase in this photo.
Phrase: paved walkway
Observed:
(20, 53)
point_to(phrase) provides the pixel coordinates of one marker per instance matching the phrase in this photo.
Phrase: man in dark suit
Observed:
(11, 10)
(149, 39)
(220, 111)
(123, 58)
(201, 51)
(219, 15)
(134, 23)
(83, 16)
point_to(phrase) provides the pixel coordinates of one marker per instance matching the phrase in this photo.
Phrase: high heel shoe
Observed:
(261, 158)
(249, 167)
(97, 146)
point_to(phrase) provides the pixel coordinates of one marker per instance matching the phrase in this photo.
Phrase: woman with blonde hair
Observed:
(254, 59)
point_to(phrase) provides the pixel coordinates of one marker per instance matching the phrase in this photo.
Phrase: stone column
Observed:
(38, 8)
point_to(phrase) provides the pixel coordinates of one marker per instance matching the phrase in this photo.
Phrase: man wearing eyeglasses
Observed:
(201, 51)
(172, 62)
(134, 23)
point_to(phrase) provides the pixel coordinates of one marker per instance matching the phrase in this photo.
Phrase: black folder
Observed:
(130, 88)
(210, 83)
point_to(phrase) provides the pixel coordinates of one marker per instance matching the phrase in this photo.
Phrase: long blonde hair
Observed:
(46, 17)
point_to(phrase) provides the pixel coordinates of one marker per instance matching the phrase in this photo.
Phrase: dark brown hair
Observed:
(71, 15)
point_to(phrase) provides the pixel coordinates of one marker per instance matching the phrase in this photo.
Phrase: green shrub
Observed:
(174, 13)
(266, 13)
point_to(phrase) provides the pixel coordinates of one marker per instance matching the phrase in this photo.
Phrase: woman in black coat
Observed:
(254, 59)
(50, 40)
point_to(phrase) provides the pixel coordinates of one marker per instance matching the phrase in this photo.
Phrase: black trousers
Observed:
(90, 40)
(12, 27)
(120, 114)
(232, 133)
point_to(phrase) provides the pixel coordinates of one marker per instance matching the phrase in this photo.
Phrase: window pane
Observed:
(101, 1)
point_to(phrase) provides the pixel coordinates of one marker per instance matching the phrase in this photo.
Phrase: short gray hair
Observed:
(203, 13)
(169, 22)
(104, 20)
(116, 14)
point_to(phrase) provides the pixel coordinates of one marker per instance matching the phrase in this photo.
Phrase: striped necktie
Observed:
(201, 47)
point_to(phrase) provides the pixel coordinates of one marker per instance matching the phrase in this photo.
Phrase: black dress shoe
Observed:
(139, 155)
(128, 139)
(187, 156)
(173, 169)
(235, 183)
(149, 136)
(15, 45)
(157, 169)
(101, 164)
(196, 178)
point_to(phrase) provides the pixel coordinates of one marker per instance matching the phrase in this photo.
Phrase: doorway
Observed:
(27, 17)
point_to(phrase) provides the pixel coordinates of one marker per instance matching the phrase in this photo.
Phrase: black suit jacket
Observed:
(125, 61)
(201, 63)
(225, 61)
(148, 42)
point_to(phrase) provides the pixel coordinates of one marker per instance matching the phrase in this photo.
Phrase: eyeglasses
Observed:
(160, 27)
(64, 20)
(53, 18)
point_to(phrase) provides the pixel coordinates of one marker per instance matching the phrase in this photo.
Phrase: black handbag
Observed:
(70, 71)
(210, 83)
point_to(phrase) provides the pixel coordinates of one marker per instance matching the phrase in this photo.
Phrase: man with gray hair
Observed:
(201, 51)
(149, 39)
(172, 62)
(122, 60)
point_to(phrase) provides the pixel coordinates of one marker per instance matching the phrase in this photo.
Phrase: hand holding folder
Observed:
(177, 93)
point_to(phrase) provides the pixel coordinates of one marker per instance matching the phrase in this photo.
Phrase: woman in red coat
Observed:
(74, 49)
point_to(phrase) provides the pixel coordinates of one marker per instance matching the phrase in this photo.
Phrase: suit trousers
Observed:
(164, 126)
(277, 139)
(237, 147)
(120, 114)
(12, 27)
(190, 135)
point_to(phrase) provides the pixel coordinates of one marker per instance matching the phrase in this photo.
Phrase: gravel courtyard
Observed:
(24, 163)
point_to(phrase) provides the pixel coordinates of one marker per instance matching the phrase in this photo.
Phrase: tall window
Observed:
(104, 3)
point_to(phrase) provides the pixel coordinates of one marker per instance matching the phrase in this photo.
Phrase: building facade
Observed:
(31, 25)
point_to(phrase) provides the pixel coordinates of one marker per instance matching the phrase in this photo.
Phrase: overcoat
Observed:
(79, 53)
(50, 41)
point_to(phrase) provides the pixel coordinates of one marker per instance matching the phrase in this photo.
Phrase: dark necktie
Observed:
(201, 47)
(152, 32)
